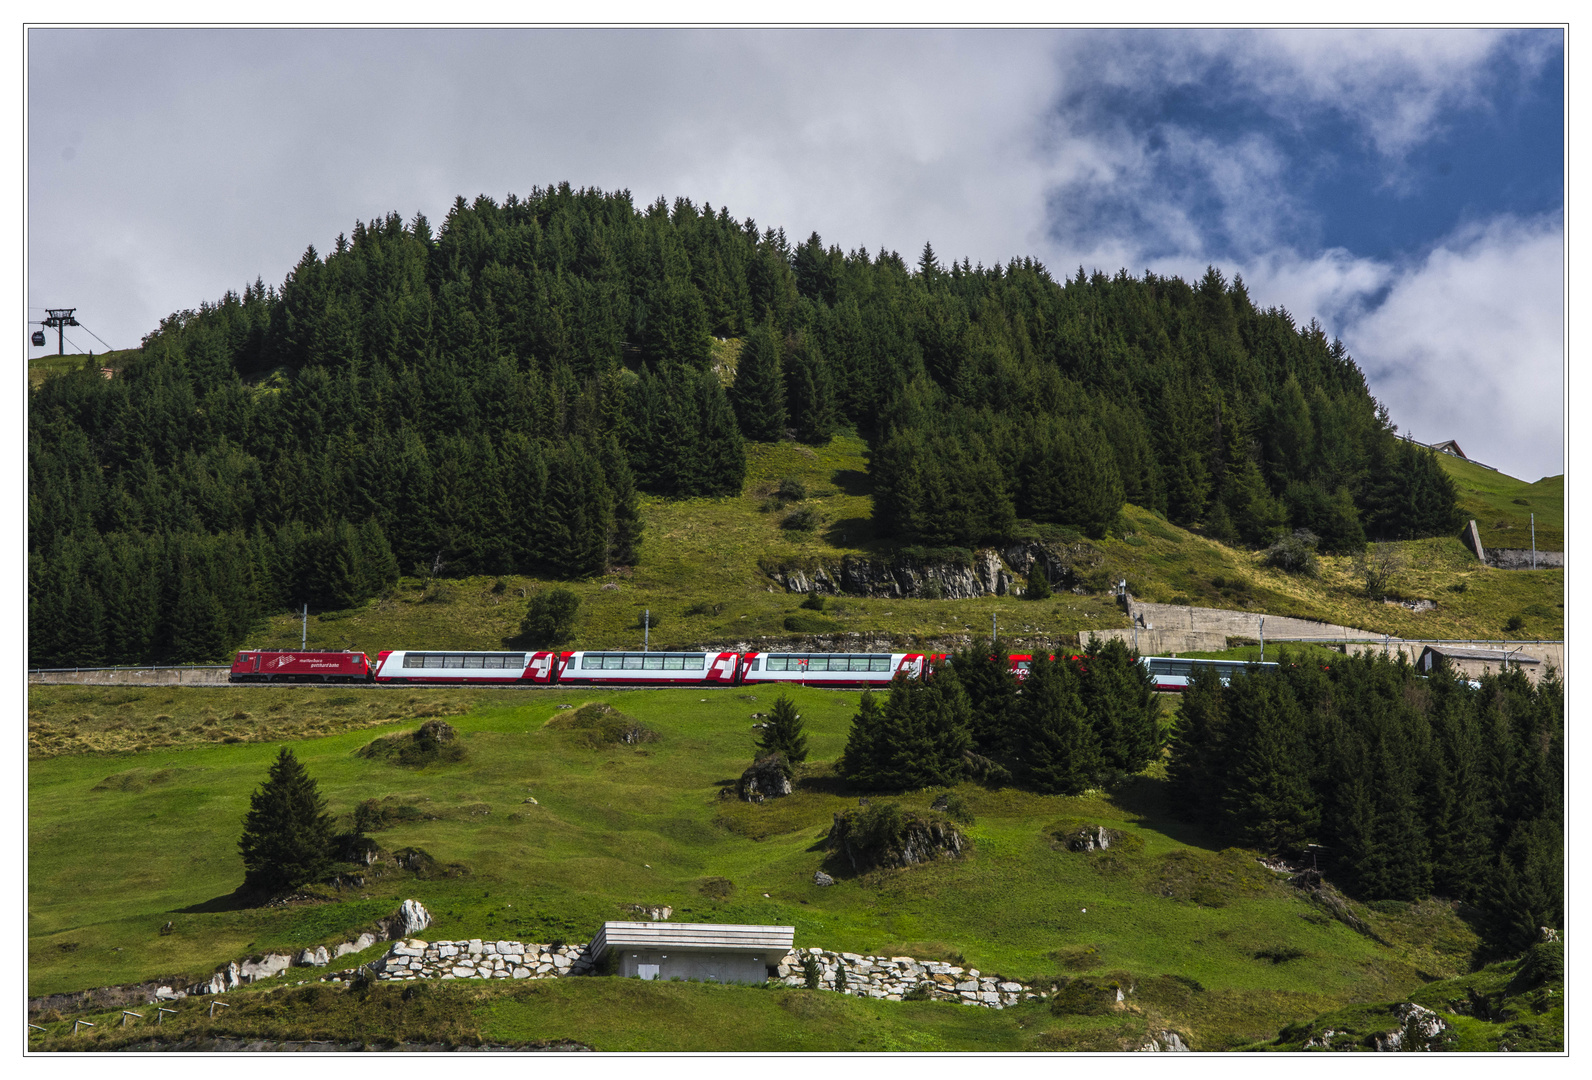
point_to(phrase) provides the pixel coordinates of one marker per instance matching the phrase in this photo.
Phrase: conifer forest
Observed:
(491, 396)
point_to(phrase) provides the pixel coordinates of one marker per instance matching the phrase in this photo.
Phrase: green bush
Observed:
(549, 618)
(814, 602)
(791, 489)
(804, 519)
(1038, 583)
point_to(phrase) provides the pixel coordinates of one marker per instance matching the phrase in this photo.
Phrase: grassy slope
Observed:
(709, 552)
(41, 367)
(646, 825)
(1502, 506)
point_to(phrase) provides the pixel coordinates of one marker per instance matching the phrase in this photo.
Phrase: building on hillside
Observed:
(1449, 446)
(711, 952)
(1473, 662)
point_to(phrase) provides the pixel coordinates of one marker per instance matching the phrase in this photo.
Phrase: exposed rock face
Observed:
(1165, 1041)
(1420, 1029)
(435, 733)
(1090, 838)
(768, 778)
(651, 914)
(821, 879)
(992, 572)
(919, 840)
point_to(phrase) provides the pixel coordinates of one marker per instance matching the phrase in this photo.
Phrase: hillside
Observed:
(504, 395)
(698, 554)
(1502, 506)
(1211, 944)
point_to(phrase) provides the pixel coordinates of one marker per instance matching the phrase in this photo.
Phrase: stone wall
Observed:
(891, 978)
(157, 676)
(477, 959)
(894, 977)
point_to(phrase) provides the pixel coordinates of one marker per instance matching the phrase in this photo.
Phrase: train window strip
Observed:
(464, 660)
(644, 662)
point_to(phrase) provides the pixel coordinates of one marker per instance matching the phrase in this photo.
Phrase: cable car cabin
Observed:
(829, 669)
(1173, 673)
(416, 666)
(649, 668)
(259, 665)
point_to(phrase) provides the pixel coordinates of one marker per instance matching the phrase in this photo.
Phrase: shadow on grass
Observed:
(1149, 799)
(857, 532)
(238, 899)
(853, 481)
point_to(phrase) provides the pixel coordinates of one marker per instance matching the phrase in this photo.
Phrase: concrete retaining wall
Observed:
(157, 676)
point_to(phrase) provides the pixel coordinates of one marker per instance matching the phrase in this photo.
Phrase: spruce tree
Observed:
(1119, 695)
(287, 833)
(783, 732)
(1269, 802)
(1195, 774)
(758, 392)
(1053, 741)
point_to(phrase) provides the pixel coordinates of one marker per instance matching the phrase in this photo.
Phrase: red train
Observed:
(667, 668)
(544, 668)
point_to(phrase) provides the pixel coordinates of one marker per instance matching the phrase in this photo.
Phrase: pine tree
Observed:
(758, 393)
(1268, 802)
(1052, 738)
(783, 732)
(1195, 773)
(287, 833)
(1119, 696)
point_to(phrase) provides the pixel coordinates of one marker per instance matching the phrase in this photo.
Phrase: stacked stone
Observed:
(894, 977)
(476, 959)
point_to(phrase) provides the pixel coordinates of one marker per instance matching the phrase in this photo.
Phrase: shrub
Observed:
(953, 806)
(1294, 554)
(1038, 583)
(814, 602)
(550, 618)
(812, 973)
(791, 489)
(803, 520)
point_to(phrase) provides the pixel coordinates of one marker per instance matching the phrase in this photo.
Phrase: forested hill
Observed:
(490, 397)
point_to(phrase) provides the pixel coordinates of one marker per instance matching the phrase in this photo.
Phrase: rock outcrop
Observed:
(989, 572)
(768, 778)
(1419, 1030)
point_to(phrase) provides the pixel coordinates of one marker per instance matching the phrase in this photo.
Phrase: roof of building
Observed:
(693, 937)
(1496, 656)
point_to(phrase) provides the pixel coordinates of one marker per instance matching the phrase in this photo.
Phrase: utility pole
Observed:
(305, 643)
(993, 633)
(1533, 541)
(646, 628)
(1263, 639)
(60, 319)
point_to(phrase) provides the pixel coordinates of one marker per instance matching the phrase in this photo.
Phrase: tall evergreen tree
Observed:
(783, 732)
(287, 833)
(758, 392)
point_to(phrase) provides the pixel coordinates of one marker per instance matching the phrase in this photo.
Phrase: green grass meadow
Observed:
(119, 844)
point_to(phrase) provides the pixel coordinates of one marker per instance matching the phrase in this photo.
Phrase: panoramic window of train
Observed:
(755, 663)
(454, 662)
(613, 663)
(879, 663)
(775, 663)
(633, 662)
(474, 661)
(674, 663)
(652, 663)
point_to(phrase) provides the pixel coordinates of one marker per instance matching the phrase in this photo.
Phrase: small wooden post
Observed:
(128, 1012)
(79, 1023)
(36, 1027)
(213, 1005)
(158, 1014)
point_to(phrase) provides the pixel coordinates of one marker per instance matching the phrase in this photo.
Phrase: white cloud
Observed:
(1469, 345)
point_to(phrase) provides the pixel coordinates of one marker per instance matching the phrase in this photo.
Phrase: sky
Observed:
(1404, 187)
